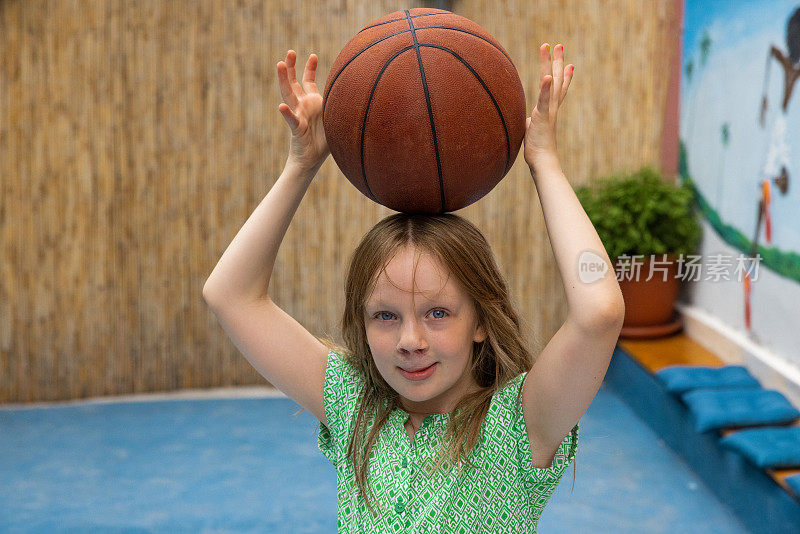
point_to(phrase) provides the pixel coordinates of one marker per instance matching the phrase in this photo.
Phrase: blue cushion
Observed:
(774, 447)
(731, 407)
(794, 483)
(680, 378)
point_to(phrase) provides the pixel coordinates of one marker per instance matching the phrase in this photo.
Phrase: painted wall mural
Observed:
(740, 152)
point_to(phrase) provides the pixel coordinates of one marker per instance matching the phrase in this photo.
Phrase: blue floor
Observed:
(249, 465)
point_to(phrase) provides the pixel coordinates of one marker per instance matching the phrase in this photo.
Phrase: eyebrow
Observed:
(443, 301)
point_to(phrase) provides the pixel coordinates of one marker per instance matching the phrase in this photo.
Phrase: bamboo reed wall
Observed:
(137, 137)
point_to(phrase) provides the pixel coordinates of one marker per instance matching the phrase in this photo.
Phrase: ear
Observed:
(480, 334)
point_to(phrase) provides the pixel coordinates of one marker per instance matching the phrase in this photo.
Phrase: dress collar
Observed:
(434, 419)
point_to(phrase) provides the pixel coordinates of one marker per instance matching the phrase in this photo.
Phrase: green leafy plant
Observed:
(639, 214)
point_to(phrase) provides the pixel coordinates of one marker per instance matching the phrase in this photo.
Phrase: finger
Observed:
(291, 58)
(286, 90)
(308, 76)
(287, 113)
(558, 69)
(543, 106)
(567, 80)
(545, 67)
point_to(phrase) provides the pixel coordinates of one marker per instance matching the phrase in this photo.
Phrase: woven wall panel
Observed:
(137, 137)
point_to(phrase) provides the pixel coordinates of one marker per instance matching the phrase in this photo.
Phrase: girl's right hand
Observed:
(302, 110)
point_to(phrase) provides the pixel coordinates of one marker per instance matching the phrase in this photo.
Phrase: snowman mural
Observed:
(775, 172)
(736, 132)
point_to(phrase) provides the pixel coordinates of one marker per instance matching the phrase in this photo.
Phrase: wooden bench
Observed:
(679, 349)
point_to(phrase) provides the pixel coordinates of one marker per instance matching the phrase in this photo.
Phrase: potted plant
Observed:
(643, 222)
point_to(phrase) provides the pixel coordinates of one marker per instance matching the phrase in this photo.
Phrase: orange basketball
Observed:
(424, 111)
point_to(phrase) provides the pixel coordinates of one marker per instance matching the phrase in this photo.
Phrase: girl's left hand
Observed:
(540, 134)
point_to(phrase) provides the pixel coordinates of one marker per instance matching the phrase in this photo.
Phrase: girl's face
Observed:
(430, 327)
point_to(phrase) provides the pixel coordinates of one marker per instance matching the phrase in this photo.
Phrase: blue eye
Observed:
(387, 316)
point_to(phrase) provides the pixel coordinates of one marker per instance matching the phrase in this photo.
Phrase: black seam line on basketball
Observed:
(470, 33)
(366, 113)
(398, 20)
(430, 109)
(496, 106)
(328, 89)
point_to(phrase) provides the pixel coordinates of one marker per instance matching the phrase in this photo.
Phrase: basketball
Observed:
(424, 111)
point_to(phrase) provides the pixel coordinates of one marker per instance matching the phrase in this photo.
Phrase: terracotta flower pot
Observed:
(650, 304)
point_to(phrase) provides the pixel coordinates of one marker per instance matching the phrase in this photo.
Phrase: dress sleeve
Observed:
(343, 387)
(515, 421)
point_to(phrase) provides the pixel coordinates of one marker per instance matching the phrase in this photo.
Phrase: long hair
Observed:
(503, 355)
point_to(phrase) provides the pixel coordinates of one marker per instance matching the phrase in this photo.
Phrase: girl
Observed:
(434, 413)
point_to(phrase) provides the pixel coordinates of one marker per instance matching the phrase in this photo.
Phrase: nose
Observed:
(412, 337)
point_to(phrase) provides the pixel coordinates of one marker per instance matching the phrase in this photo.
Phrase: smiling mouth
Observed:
(416, 370)
(421, 374)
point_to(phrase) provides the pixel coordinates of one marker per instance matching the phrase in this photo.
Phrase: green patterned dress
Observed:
(507, 494)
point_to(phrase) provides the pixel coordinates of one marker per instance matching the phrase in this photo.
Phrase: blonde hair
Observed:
(502, 356)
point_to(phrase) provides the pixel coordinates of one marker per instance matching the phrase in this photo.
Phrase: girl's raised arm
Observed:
(570, 369)
(277, 346)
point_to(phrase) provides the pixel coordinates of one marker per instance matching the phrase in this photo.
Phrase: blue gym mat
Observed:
(249, 465)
